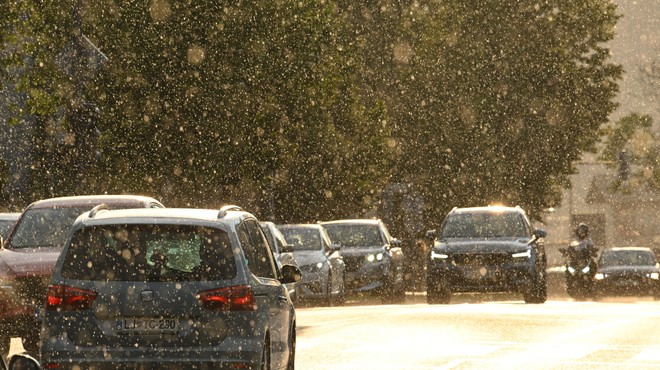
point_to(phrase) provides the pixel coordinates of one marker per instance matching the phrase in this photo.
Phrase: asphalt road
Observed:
(496, 332)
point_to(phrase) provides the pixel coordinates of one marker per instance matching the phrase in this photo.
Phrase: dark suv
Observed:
(28, 255)
(374, 260)
(487, 249)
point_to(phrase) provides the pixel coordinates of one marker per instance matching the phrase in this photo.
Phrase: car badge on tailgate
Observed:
(147, 296)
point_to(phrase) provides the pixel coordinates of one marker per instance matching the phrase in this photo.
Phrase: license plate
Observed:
(476, 273)
(146, 325)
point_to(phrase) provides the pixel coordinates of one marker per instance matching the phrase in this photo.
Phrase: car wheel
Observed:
(265, 355)
(5, 343)
(437, 294)
(340, 298)
(538, 292)
(291, 363)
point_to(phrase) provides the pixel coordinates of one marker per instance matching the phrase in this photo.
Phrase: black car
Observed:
(487, 249)
(374, 259)
(630, 271)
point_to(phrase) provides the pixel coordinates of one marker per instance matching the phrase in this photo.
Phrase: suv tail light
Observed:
(234, 298)
(66, 298)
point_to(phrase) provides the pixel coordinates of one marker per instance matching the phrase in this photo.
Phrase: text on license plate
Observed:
(146, 325)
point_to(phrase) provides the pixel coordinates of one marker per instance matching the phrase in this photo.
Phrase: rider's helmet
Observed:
(582, 231)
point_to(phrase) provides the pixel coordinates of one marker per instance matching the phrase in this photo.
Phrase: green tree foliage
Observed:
(302, 110)
(499, 98)
(632, 145)
(210, 102)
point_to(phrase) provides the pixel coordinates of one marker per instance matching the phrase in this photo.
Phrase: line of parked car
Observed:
(117, 280)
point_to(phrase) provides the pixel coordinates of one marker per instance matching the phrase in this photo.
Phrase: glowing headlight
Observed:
(438, 256)
(571, 269)
(375, 257)
(319, 265)
(599, 276)
(525, 254)
(5, 284)
(654, 275)
(585, 270)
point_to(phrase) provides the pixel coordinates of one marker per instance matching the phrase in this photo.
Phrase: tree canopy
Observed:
(303, 110)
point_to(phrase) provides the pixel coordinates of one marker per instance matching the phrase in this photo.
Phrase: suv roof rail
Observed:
(227, 208)
(97, 209)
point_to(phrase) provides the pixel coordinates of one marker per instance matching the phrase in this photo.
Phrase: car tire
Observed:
(265, 355)
(436, 294)
(5, 343)
(291, 362)
(340, 298)
(538, 292)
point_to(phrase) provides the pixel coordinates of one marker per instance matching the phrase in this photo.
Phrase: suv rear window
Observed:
(149, 253)
(484, 225)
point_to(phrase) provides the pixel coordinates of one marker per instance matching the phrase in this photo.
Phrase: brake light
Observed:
(234, 298)
(66, 298)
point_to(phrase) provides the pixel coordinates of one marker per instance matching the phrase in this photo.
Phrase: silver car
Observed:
(168, 288)
(282, 250)
(320, 262)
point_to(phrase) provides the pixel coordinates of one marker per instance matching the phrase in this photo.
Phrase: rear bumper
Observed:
(226, 355)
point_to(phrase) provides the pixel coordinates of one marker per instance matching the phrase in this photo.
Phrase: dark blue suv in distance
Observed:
(487, 249)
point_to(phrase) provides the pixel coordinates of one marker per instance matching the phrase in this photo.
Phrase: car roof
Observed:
(300, 226)
(12, 216)
(92, 200)
(487, 209)
(161, 215)
(353, 221)
(640, 249)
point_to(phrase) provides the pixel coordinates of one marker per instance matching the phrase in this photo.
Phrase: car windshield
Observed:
(354, 235)
(302, 238)
(45, 227)
(626, 258)
(484, 225)
(5, 227)
(149, 253)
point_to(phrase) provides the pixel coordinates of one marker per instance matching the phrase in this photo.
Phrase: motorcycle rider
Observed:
(581, 263)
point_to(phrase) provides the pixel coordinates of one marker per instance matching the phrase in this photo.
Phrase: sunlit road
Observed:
(501, 334)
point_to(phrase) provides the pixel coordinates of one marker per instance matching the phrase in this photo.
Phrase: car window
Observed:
(257, 251)
(302, 238)
(484, 225)
(626, 258)
(146, 252)
(45, 227)
(5, 227)
(353, 235)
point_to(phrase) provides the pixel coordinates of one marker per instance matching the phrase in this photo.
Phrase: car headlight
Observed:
(654, 275)
(319, 265)
(571, 269)
(5, 283)
(438, 256)
(375, 257)
(599, 276)
(585, 269)
(525, 254)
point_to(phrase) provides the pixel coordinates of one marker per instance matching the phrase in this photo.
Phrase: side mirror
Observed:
(290, 274)
(396, 242)
(23, 361)
(540, 233)
(334, 247)
(286, 248)
(431, 234)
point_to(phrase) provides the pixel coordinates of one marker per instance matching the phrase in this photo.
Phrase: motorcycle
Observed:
(580, 269)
